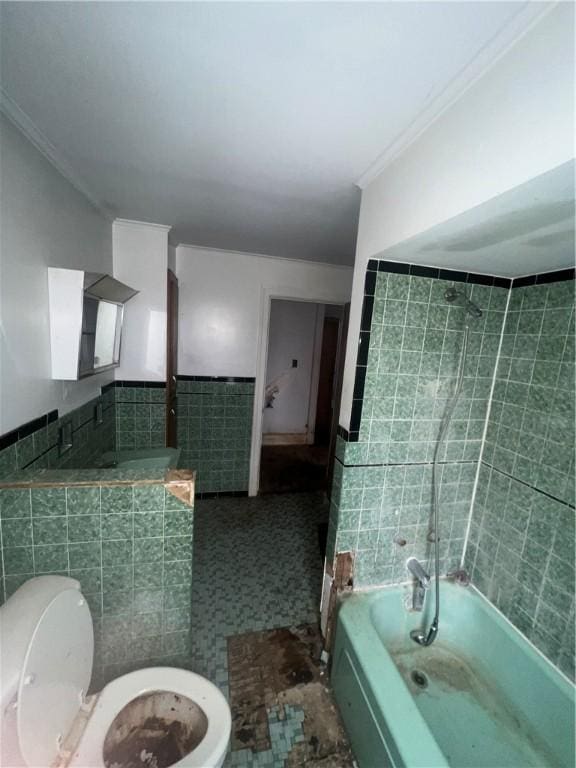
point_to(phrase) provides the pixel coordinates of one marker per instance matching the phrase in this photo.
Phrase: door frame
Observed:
(172, 328)
(315, 375)
(266, 296)
(337, 322)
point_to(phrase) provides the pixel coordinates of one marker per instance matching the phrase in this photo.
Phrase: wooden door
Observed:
(325, 400)
(171, 359)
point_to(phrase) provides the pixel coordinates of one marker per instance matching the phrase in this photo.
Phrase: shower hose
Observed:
(434, 532)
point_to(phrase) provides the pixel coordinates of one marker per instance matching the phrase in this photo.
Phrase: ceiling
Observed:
(528, 230)
(245, 126)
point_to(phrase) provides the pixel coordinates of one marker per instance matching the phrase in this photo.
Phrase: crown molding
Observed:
(308, 262)
(530, 14)
(146, 224)
(30, 130)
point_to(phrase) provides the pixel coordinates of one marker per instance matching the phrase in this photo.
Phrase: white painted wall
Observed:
(141, 261)
(223, 297)
(292, 335)
(514, 123)
(45, 222)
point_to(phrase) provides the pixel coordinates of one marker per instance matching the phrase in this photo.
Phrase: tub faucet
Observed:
(423, 582)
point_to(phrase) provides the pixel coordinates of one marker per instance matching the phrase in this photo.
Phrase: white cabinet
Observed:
(86, 312)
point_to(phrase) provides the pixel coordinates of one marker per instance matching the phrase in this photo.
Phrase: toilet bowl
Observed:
(175, 710)
(151, 718)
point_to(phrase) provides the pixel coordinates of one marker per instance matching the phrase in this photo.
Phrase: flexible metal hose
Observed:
(445, 424)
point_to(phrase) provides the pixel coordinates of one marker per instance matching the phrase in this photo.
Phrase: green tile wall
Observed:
(382, 485)
(214, 433)
(382, 515)
(521, 547)
(131, 549)
(140, 417)
(521, 556)
(415, 341)
(40, 449)
(531, 429)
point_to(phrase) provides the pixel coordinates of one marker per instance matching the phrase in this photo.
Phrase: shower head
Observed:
(454, 295)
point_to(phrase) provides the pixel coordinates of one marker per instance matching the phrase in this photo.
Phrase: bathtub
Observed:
(149, 458)
(480, 697)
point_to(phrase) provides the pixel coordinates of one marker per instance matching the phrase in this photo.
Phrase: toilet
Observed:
(151, 718)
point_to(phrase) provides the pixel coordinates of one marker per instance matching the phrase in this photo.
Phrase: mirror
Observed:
(107, 342)
(101, 330)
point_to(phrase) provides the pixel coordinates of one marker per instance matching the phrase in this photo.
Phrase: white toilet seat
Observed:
(210, 751)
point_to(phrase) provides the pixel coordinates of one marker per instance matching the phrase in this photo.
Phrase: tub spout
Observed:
(418, 597)
(423, 582)
(418, 572)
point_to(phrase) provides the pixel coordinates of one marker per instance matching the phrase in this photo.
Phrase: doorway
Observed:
(300, 401)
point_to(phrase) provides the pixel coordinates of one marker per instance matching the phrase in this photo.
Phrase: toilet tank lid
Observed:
(19, 617)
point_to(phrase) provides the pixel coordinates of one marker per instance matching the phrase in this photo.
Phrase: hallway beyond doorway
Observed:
(292, 468)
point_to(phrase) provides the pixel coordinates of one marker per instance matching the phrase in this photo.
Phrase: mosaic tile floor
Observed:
(257, 565)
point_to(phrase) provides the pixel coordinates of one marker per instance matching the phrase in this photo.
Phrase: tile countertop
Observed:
(180, 482)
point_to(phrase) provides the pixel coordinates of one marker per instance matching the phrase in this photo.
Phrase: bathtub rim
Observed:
(373, 591)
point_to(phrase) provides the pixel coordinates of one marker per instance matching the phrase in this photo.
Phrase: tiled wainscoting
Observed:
(520, 548)
(215, 429)
(140, 414)
(127, 415)
(129, 546)
(35, 445)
